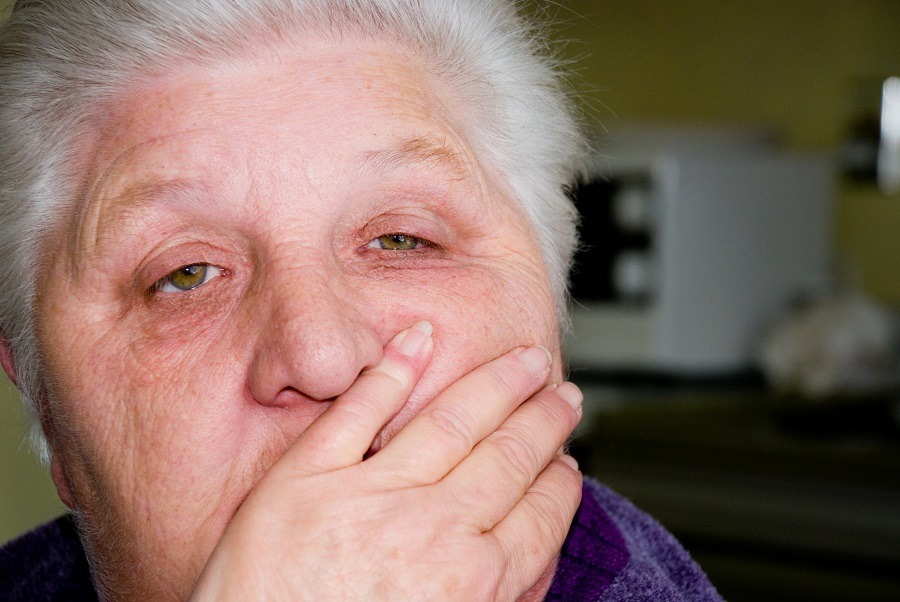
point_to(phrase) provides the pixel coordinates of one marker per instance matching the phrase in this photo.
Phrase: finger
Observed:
(504, 466)
(447, 429)
(344, 432)
(533, 533)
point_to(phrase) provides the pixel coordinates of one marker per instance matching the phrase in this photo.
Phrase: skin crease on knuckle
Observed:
(557, 491)
(191, 396)
(518, 441)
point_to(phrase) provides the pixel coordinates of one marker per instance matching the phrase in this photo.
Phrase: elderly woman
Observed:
(279, 280)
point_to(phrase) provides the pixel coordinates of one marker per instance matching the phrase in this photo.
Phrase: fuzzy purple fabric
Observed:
(617, 553)
(614, 553)
(46, 565)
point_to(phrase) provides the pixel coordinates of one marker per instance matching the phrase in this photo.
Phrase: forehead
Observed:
(359, 100)
(306, 117)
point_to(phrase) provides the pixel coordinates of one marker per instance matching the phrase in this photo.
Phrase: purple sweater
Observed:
(614, 553)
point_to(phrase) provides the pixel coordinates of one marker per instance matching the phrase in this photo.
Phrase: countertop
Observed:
(777, 497)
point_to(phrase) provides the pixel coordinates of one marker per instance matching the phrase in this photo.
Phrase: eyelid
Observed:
(413, 221)
(225, 250)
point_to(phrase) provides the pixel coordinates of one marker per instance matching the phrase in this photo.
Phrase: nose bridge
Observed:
(315, 341)
(307, 304)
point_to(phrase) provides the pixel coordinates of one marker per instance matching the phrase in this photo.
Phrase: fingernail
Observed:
(569, 461)
(536, 359)
(571, 394)
(415, 339)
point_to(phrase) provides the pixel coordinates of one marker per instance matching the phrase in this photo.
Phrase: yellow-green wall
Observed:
(791, 64)
(27, 496)
(797, 65)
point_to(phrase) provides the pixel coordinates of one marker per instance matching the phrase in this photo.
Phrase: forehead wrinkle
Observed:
(111, 213)
(88, 209)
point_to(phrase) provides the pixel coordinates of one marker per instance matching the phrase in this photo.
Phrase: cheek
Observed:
(478, 313)
(162, 444)
(491, 311)
(138, 422)
(158, 430)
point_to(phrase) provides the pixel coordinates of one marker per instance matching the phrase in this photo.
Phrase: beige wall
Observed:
(791, 64)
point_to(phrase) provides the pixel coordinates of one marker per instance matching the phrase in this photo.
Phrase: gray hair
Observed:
(63, 61)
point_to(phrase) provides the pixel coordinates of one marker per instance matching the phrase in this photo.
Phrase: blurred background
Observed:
(736, 301)
(735, 314)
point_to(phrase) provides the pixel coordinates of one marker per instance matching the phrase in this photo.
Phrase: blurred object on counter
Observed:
(889, 149)
(871, 151)
(844, 343)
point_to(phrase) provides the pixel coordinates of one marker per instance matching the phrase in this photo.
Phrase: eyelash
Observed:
(378, 242)
(210, 272)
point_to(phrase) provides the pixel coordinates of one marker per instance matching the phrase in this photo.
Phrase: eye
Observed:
(187, 278)
(397, 242)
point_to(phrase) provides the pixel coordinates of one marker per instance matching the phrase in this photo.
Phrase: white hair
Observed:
(63, 61)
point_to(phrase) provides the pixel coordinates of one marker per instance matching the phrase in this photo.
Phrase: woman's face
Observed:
(246, 240)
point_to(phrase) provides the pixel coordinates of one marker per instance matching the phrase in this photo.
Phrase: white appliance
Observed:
(692, 239)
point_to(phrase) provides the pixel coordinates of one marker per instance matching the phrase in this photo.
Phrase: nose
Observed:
(313, 341)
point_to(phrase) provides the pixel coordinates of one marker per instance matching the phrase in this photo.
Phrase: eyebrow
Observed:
(120, 207)
(179, 192)
(420, 150)
(189, 193)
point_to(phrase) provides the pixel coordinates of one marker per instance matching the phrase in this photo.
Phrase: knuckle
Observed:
(355, 415)
(518, 456)
(454, 423)
(556, 413)
(507, 379)
(551, 512)
(570, 490)
(390, 373)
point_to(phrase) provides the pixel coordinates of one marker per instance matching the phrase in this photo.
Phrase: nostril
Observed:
(311, 358)
(312, 341)
(290, 396)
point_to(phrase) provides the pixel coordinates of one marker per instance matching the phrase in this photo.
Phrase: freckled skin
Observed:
(168, 408)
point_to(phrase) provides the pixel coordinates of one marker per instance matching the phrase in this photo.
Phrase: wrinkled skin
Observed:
(168, 407)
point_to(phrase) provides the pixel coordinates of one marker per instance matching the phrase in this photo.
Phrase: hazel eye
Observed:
(397, 242)
(187, 278)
